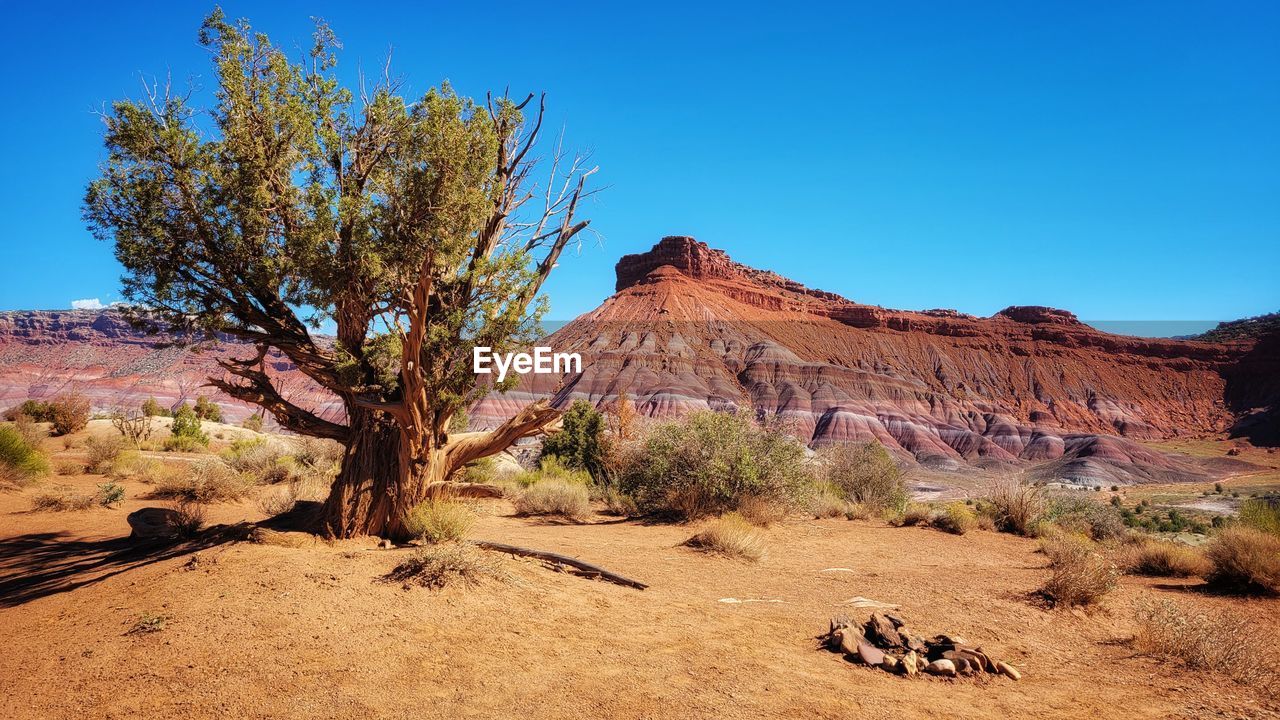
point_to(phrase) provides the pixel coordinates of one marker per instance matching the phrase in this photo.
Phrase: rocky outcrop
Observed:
(691, 329)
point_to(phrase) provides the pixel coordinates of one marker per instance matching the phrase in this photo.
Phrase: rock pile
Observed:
(886, 642)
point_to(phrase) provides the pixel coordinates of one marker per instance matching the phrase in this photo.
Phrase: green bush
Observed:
(708, 463)
(1075, 512)
(110, 494)
(1261, 514)
(956, 518)
(185, 433)
(863, 473)
(151, 408)
(438, 521)
(20, 461)
(103, 453)
(579, 444)
(253, 422)
(206, 409)
(34, 409)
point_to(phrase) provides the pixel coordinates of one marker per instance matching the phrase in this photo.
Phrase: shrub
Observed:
(1076, 513)
(208, 480)
(185, 433)
(911, 514)
(1015, 505)
(318, 454)
(1216, 640)
(863, 473)
(132, 425)
(20, 461)
(61, 499)
(827, 503)
(109, 494)
(30, 430)
(554, 497)
(68, 413)
(730, 535)
(441, 565)
(253, 422)
(1261, 514)
(1245, 559)
(183, 443)
(1160, 558)
(188, 518)
(437, 521)
(277, 500)
(956, 518)
(709, 462)
(69, 467)
(579, 444)
(206, 409)
(102, 453)
(858, 511)
(34, 409)
(151, 408)
(259, 458)
(1081, 574)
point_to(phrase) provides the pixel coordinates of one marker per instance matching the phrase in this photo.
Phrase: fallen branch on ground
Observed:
(585, 567)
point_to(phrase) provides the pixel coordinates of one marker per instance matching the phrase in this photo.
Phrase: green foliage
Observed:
(253, 422)
(460, 422)
(151, 408)
(1074, 512)
(20, 462)
(291, 193)
(34, 409)
(956, 518)
(579, 444)
(69, 413)
(185, 433)
(709, 463)
(1261, 514)
(206, 409)
(110, 494)
(863, 473)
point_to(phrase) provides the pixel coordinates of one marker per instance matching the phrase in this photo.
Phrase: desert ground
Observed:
(97, 625)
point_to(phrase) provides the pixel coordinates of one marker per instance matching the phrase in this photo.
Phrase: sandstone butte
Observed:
(689, 329)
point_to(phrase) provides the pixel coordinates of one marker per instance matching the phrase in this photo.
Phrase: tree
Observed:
(579, 444)
(206, 409)
(414, 226)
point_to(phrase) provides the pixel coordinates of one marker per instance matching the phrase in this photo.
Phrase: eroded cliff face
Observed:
(690, 329)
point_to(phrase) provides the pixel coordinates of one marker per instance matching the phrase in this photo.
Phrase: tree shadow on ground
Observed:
(37, 565)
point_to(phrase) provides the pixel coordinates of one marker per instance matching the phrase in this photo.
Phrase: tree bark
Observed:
(359, 501)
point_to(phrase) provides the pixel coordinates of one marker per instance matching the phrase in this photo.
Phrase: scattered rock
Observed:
(385, 544)
(946, 668)
(870, 654)
(1007, 669)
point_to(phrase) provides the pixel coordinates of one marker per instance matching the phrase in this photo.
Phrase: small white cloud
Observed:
(87, 304)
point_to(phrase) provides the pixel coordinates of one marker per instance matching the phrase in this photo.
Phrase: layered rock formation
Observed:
(690, 329)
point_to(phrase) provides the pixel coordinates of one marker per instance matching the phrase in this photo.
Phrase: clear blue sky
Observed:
(1118, 159)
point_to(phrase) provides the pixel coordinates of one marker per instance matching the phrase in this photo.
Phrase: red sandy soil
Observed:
(254, 630)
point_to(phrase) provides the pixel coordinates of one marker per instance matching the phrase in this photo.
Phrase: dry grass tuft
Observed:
(956, 518)
(190, 518)
(62, 498)
(208, 480)
(1081, 574)
(1161, 558)
(555, 497)
(730, 535)
(276, 500)
(1016, 505)
(437, 521)
(1245, 560)
(447, 564)
(1218, 640)
(762, 512)
(912, 514)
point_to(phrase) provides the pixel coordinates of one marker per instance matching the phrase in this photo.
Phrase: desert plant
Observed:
(188, 518)
(709, 462)
(208, 480)
(828, 503)
(1209, 640)
(317, 454)
(258, 457)
(69, 467)
(148, 623)
(730, 535)
(1075, 513)
(1261, 514)
(1244, 559)
(102, 452)
(185, 433)
(439, 520)
(206, 409)
(1015, 505)
(20, 461)
(253, 422)
(956, 518)
(1160, 558)
(151, 408)
(133, 425)
(911, 514)
(109, 494)
(1081, 574)
(276, 500)
(863, 473)
(61, 498)
(68, 413)
(440, 565)
(36, 410)
(31, 431)
(579, 444)
(554, 497)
